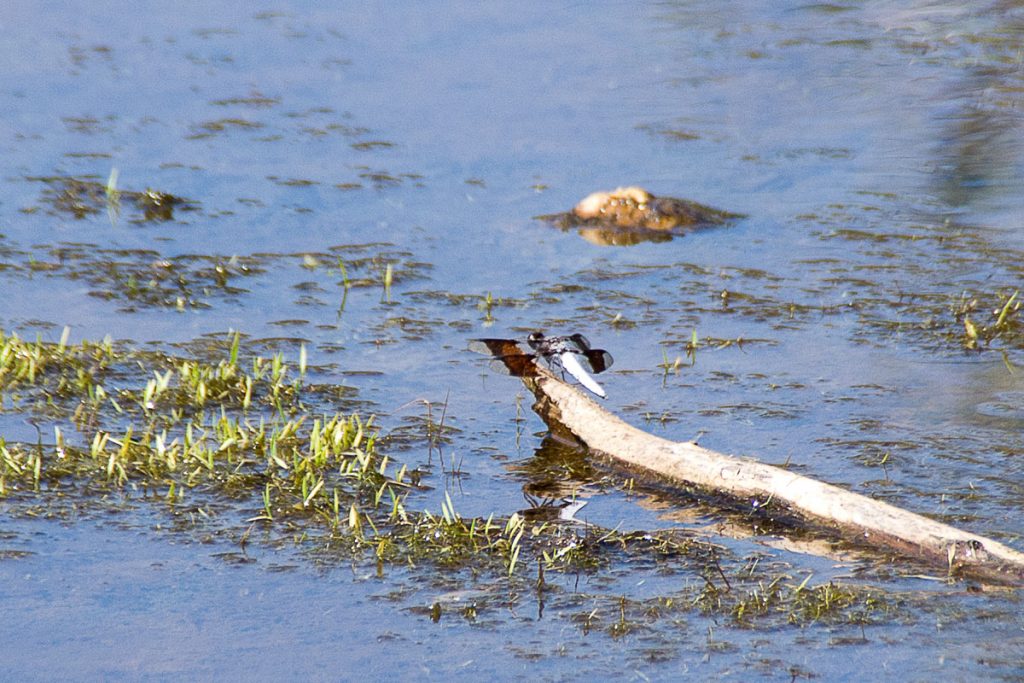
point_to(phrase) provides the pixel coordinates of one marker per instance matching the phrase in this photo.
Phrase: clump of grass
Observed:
(762, 603)
(486, 305)
(773, 601)
(234, 428)
(983, 325)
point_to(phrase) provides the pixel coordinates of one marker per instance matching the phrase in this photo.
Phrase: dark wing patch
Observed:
(582, 342)
(599, 359)
(517, 365)
(509, 358)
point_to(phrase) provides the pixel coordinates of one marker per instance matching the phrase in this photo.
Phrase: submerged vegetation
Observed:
(870, 285)
(83, 198)
(239, 442)
(146, 278)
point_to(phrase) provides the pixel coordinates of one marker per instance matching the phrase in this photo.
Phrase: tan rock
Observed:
(636, 208)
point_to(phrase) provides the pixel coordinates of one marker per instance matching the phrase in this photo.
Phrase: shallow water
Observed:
(876, 152)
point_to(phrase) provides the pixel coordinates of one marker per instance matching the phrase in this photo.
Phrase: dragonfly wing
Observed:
(517, 365)
(509, 358)
(494, 347)
(571, 363)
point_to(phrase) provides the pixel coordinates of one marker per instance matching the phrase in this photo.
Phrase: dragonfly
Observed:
(571, 353)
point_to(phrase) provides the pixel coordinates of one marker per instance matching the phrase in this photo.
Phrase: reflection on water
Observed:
(980, 155)
(619, 237)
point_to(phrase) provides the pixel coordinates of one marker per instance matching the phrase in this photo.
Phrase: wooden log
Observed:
(747, 483)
